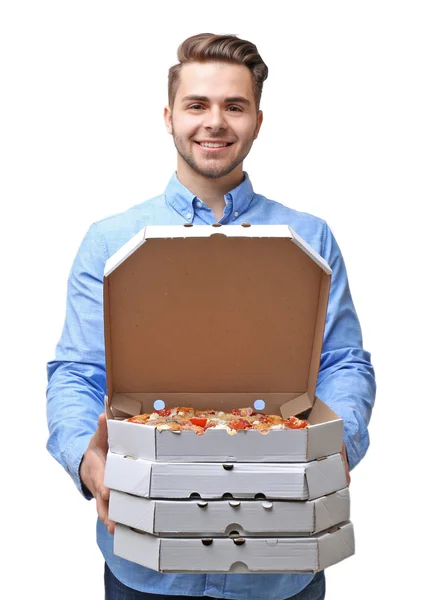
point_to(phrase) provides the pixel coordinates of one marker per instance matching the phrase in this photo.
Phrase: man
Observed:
(214, 118)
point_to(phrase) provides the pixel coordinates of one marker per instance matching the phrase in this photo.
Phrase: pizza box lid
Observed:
(243, 555)
(215, 316)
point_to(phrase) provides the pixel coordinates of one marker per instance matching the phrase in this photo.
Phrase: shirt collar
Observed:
(183, 199)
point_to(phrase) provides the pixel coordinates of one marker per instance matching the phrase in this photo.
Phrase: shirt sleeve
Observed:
(77, 377)
(346, 380)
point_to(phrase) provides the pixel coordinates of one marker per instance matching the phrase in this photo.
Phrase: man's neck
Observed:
(210, 191)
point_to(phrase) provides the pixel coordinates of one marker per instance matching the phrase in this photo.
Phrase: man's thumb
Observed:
(101, 432)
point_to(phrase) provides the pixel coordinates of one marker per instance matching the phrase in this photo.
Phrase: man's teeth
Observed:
(212, 145)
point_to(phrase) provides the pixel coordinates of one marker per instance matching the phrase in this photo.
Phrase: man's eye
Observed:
(196, 106)
(234, 108)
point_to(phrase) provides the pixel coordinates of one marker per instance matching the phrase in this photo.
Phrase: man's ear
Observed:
(168, 119)
(258, 126)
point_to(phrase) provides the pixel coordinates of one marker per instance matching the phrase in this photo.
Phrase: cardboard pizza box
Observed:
(289, 481)
(217, 318)
(229, 518)
(238, 555)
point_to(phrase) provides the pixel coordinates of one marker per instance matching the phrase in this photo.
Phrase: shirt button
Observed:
(189, 215)
(236, 213)
(199, 204)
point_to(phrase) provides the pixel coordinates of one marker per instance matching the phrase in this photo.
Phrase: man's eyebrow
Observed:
(233, 99)
(237, 100)
(193, 98)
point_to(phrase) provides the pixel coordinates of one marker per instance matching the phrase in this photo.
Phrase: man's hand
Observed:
(92, 471)
(344, 457)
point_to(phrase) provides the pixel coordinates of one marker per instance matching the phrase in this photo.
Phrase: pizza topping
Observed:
(198, 421)
(165, 412)
(204, 413)
(240, 424)
(295, 423)
(163, 426)
(138, 419)
(188, 419)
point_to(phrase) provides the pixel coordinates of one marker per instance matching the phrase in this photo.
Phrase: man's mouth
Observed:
(214, 144)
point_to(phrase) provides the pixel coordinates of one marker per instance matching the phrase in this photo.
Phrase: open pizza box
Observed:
(236, 555)
(217, 318)
(229, 518)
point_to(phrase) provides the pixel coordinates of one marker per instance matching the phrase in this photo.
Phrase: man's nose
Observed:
(214, 119)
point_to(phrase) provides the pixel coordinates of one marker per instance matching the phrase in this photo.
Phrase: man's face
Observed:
(214, 120)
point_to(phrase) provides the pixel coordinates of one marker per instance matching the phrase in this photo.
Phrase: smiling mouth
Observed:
(214, 145)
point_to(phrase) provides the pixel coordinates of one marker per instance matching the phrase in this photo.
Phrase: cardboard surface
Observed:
(221, 518)
(243, 555)
(292, 481)
(163, 297)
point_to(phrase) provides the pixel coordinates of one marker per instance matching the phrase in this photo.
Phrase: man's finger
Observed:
(111, 526)
(105, 493)
(103, 514)
(102, 509)
(101, 433)
(344, 458)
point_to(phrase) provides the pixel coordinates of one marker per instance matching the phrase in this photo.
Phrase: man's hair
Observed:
(206, 47)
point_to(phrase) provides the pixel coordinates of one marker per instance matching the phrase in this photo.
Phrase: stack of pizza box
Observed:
(222, 318)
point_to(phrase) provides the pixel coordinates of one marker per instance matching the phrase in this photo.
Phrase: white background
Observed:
(352, 133)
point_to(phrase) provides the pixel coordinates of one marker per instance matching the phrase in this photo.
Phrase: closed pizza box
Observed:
(229, 518)
(237, 555)
(289, 481)
(217, 318)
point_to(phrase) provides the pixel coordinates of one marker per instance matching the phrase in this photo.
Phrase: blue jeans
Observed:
(115, 590)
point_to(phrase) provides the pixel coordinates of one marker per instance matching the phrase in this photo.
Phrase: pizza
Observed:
(185, 418)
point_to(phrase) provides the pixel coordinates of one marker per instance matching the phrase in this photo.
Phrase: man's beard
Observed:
(213, 168)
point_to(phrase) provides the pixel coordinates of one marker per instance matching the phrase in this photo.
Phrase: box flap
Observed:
(127, 405)
(145, 549)
(295, 406)
(125, 475)
(230, 309)
(336, 545)
(332, 509)
(325, 476)
(133, 511)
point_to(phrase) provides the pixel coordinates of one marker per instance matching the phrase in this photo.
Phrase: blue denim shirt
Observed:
(77, 378)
